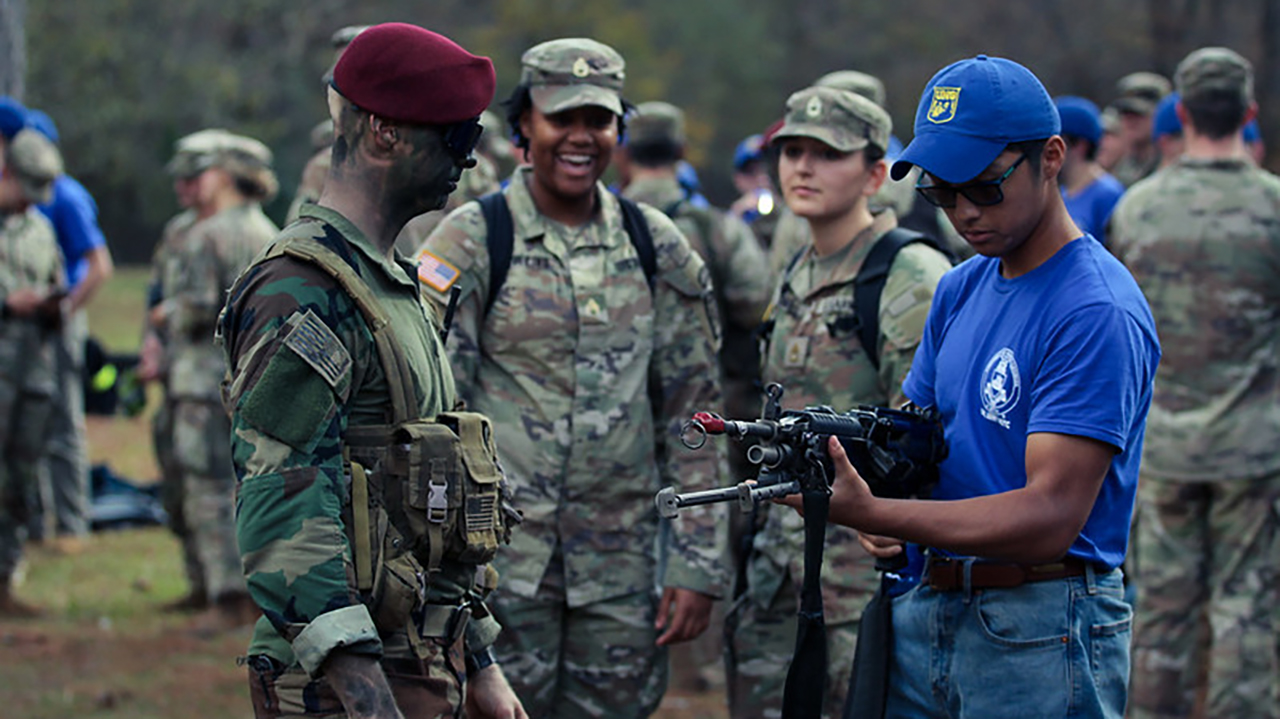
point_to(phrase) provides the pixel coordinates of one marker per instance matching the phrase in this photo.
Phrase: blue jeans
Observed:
(1057, 648)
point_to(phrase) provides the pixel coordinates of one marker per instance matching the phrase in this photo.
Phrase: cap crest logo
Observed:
(581, 68)
(943, 107)
(814, 108)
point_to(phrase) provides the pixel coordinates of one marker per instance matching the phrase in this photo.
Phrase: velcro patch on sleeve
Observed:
(319, 347)
(435, 272)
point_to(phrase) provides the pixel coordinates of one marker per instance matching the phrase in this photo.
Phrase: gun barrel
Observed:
(767, 492)
(669, 502)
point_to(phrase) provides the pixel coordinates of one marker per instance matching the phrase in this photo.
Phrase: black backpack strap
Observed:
(638, 230)
(869, 284)
(500, 239)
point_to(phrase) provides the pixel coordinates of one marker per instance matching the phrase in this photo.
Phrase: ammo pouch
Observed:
(433, 491)
(452, 488)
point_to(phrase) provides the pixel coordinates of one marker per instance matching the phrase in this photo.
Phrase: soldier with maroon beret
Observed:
(363, 533)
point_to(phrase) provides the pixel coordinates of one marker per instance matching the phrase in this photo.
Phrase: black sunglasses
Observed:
(983, 194)
(460, 140)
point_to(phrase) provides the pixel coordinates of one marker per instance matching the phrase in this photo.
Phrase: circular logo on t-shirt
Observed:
(1001, 387)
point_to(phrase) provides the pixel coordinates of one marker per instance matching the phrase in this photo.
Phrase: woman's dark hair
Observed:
(521, 99)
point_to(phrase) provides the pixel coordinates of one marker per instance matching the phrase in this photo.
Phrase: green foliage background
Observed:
(125, 78)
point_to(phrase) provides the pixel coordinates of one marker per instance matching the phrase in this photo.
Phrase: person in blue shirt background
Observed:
(1039, 353)
(1090, 192)
(87, 260)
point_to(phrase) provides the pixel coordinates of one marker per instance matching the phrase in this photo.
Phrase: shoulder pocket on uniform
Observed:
(693, 280)
(296, 395)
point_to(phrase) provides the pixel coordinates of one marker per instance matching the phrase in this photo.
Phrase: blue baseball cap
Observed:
(1165, 118)
(970, 111)
(1252, 133)
(749, 150)
(40, 121)
(13, 117)
(1080, 118)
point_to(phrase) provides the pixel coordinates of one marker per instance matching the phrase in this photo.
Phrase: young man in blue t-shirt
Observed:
(1040, 354)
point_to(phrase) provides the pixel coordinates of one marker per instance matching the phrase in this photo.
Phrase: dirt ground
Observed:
(105, 648)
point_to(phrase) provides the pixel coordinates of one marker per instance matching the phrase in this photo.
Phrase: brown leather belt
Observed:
(947, 575)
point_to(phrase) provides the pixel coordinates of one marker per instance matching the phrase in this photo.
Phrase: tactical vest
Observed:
(422, 490)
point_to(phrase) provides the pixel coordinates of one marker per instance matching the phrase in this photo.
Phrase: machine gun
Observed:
(895, 451)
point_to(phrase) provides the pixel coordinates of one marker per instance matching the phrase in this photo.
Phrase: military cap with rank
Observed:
(573, 72)
(970, 111)
(409, 74)
(839, 118)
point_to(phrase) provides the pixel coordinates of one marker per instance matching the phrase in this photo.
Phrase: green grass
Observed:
(116, 311)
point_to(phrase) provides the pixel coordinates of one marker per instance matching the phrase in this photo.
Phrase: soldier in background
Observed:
(1138, 94)
(1202, 238)
(317, 167)
(655, 144)
(588, 365)
(740, 274)
(233, 177)
(32, 297)
(831, 167)
(189, 160)
(87, 262)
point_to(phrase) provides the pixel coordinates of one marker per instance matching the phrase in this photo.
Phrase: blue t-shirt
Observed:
(1068, 348)
(74, 216)
(1091, 207)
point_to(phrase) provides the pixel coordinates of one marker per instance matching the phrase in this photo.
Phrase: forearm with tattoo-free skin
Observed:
(360, 683)
(1036, 523)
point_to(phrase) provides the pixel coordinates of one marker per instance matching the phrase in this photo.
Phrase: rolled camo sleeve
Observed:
(287, 420)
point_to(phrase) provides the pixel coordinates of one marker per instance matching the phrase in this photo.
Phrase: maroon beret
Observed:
(408, 73)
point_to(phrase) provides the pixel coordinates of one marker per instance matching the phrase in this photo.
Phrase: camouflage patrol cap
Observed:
(35, 163)
(244, 158)
(342, 37)
(573, 72)
(1139, 92)
(841, 119)
(193, 154)
(656, 122)
(859, 83)
(1215, 70)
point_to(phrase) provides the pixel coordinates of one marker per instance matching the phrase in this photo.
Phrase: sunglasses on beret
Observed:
(983, 194)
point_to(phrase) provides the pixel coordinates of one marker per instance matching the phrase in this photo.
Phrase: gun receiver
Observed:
(895, 451)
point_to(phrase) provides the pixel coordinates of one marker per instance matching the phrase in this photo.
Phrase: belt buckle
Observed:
(437, 501)
(948, 574)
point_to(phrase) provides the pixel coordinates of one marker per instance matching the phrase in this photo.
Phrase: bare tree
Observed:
(13, 47)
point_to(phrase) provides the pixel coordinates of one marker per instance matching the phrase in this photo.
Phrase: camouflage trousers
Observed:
(202, 454)
(171, 495)
(1207, 627)
(64, 498)
(431, 687)
(24, 421)
(599, 660)
(759, 644)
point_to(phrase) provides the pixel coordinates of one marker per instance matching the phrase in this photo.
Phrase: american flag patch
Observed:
(435, 272)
